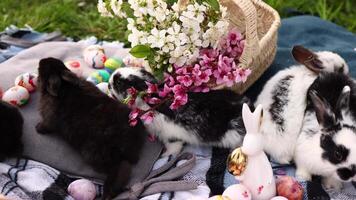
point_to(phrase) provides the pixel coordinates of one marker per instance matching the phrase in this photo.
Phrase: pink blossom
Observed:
(166, 90)
(201, 89)
(225, 63)
(147, 117)
(185, 80)
(180, 69)
(229, 79)
(241, 75)
(204, 77)
(208, 56)
(234, 37)
(134, 113)
(133, 122)
(179, 90)
(179, 100)
(196, 70)
(131, 102)
(152, 88)
(168, 79)
(132, 91)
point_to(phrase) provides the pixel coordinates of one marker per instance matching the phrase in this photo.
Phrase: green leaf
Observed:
(213, 4)
(171, 2)
(141, 51)
(127, 9)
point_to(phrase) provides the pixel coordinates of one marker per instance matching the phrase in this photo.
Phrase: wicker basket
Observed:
(259, 23)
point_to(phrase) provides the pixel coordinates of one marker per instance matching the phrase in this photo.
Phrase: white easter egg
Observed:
(27, 80)
(237, 192)
(94, 56)
(75, 66)
(279, 198)
(104, 87)
(82, 189)
(16, 95)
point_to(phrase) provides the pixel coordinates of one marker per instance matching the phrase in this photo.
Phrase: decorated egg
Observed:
(99, 76)
(16, 95)
(27, 80)
(279, 198)
(75, 66)
(289, 188)
(104, 87)
(82, 189)
(237, 192)
(112, 64)
(237, 162)
(94, 56)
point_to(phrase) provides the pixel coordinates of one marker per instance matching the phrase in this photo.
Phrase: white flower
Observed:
(157, 38)
(137, 37)
(214, 33)
(116, 8)
(103, 10)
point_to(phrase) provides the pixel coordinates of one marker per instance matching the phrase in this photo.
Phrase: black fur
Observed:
(11, 123)
(91, 122)
(209, 115)
(280, 100)
(347, 173)
(333, 152)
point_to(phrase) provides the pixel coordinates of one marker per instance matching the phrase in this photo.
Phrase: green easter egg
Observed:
(113, 63)
(105, 76)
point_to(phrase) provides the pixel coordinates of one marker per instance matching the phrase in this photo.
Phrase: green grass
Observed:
(79, 18)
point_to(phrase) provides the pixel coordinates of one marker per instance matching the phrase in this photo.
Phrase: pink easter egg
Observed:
(289, 188)
(27, 80)
(237, 192)
(279, 198)
(16, 96)
(82, 189)
(75, 66)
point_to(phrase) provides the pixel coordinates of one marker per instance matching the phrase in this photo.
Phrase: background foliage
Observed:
(79, 18)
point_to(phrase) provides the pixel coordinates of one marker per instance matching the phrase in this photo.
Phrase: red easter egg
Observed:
(289, 187)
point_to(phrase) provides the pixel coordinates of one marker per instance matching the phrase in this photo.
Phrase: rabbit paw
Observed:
(173, 148)
(303, 174)
(331, 183)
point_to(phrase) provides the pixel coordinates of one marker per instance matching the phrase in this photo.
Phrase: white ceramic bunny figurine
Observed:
(258, 175)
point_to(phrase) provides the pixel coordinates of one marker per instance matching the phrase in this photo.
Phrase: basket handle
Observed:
(251, 41)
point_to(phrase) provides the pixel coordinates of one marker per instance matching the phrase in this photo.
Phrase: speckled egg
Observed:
(112, 64)
(99, 76)
(75, 66)
(237, 192)
(94, 56)
(16, 95)
(27, 80)
(289, 187)
(82, 189)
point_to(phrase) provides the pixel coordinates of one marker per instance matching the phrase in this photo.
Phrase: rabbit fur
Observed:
(284, 99)
(212, 118)
(11, 124)
(93, 124)
(327, 143)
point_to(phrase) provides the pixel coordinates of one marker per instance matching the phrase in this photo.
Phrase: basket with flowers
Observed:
(189, 45)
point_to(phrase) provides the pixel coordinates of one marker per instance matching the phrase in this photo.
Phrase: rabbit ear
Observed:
(344, 98)
(323, 110)
(308, 58)
(53, 85)
(251, 120)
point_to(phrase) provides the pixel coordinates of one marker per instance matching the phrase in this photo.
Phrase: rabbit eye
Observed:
(338, 155)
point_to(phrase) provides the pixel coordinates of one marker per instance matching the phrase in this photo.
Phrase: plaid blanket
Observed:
(23, 179)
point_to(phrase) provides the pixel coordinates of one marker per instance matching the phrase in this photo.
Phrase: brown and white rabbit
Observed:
(327, 143)
(94, 124)
(212, 118)
(284, 99)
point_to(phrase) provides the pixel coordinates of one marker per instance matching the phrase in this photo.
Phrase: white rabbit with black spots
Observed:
(284, 99)
(327, 143)
(212, 118)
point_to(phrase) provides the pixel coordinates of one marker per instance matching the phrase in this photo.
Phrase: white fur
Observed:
(294, 112)
(166, 129)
